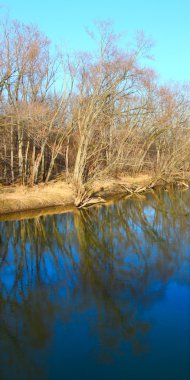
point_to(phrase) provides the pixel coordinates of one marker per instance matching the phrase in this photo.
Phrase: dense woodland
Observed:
(88, 114)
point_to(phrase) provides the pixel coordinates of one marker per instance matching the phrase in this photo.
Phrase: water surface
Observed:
(100, 294)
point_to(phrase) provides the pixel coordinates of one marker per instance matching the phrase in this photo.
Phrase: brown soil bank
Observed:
(22, 202)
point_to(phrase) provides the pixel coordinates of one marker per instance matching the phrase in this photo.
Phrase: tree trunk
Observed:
(20, 155)
(67, 159)
(12, 156)
(26, 161)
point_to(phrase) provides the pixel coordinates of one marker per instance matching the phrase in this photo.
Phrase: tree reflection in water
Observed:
(115, 260)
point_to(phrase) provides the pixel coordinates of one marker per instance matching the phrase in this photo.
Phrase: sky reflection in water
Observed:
(99, 294)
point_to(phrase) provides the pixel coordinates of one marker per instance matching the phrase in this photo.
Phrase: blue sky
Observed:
(166, 21)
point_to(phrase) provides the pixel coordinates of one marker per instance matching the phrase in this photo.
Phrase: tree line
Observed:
(85, 115)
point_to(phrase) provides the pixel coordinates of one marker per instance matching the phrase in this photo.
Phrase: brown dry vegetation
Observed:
(22, 198)
(54, 194)
(20, 202)
(85, 118)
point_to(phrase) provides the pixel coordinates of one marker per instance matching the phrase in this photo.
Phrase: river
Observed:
(98, 294)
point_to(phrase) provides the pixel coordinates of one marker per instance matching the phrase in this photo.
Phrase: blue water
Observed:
(99, 294)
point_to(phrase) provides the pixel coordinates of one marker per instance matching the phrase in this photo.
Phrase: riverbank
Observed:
(18, 202)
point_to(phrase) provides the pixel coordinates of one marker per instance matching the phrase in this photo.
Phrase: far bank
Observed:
(59, 196)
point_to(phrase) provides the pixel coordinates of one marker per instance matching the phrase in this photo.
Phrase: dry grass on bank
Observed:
(61, 197)
(15, 199)
(54, 194)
